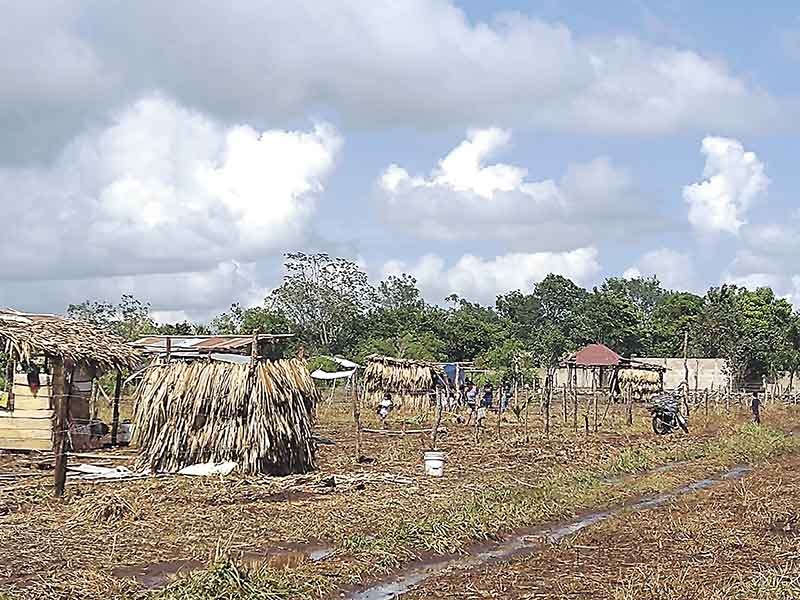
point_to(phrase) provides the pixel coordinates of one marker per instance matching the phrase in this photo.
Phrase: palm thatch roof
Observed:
(407, 380)
(27, 335)
(257, 415)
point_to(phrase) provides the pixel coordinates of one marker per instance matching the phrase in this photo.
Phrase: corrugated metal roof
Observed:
(205, 343)
(597, 355)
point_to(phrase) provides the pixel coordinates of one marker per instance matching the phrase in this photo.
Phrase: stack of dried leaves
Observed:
(258, 416)
(410, 382)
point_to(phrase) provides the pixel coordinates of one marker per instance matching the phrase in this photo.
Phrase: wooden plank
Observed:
(23, 391)
(25, 444)
(31, 403)
(22, 434)
(17, 413)
(15, 423)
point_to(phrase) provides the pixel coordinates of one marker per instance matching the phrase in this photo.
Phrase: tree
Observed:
(130, 318)
(238, 320)
(675, 314)
(470, 329)
(645, 293)
(548, 320)
(399, 292)
(613, 319)
(325, 297)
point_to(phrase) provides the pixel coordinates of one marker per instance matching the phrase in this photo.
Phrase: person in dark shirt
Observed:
(755, 408)
(488, 396)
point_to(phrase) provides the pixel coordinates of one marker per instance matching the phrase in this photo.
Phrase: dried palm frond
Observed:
(258, 416)
(410, 382)
(69, 339)
(640, 382)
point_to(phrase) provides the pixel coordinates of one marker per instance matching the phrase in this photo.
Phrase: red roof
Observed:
(597, 355)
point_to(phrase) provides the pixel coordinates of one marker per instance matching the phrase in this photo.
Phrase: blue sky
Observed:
(176, 151)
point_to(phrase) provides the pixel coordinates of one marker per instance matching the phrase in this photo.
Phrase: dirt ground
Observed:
(740, 539)
(347, 523)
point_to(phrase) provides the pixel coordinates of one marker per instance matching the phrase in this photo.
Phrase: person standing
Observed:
(755, 408)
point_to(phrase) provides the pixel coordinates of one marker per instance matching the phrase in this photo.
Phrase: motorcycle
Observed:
(667, 417)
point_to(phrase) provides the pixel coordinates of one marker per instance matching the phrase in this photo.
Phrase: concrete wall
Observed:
(703, 372)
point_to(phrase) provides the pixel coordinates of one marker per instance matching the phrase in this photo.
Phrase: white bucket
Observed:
(434, 463)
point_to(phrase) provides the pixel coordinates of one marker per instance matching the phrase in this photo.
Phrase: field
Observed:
(348, 526)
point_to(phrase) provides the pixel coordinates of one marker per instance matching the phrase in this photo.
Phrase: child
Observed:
(385, 407)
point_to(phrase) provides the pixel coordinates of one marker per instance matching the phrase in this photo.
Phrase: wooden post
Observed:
(169, 348)
(686, 371)
(705, 402)
(439, 409)
(115, 408)
(548, 394)
(10, 381)
(629, 401)
(575, 409)
(356, 413)
(60, 389)
(596, 422)
(254, 347)
(566, 402)
(546, 416)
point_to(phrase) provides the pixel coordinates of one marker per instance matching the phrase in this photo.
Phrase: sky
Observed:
(176, 151)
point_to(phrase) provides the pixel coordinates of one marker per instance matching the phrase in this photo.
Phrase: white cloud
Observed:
(734, 180)
(480, 279)
(419, 63)
(465, 198)
(162, 200)
(674, 269)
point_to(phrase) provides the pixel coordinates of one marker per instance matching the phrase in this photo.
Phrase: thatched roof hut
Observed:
(29, 335)
(410, 382)
(52, 362)
(257, 415)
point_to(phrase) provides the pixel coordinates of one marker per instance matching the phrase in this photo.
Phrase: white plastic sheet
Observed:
(210, 468)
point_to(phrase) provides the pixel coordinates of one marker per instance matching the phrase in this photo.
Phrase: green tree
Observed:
(613, 319)
(130, 318)
(325, 298)
(675, 314)
(548, 321)
(240, 321)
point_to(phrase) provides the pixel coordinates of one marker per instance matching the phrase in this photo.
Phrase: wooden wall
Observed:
(29, 425)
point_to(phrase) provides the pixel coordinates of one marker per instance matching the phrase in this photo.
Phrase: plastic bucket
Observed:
(434, 463)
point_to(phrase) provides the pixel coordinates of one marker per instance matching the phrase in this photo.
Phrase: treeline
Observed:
(332, 307)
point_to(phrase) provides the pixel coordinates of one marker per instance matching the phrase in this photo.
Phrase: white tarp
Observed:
(320, 374)
(347, 364)
(210, 468)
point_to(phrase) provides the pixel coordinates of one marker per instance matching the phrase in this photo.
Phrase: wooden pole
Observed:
(596, 422)
(115, 408)
(705, 402)
(548, 394)
(629, 401)
(10, 381)
(566, 402)
(60, 389)
(575, 409)
(169, 347)
(356, 413)
(686, 371)
(439, 408)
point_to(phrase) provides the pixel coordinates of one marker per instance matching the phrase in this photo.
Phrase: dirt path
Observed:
(737, 539)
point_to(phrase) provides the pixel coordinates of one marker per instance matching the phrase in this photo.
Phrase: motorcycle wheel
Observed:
(660, 427)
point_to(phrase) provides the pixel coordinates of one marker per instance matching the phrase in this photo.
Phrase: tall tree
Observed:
(325, 297)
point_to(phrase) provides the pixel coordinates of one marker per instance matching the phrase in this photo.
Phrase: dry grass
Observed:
(738, 540)
(52, 549)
